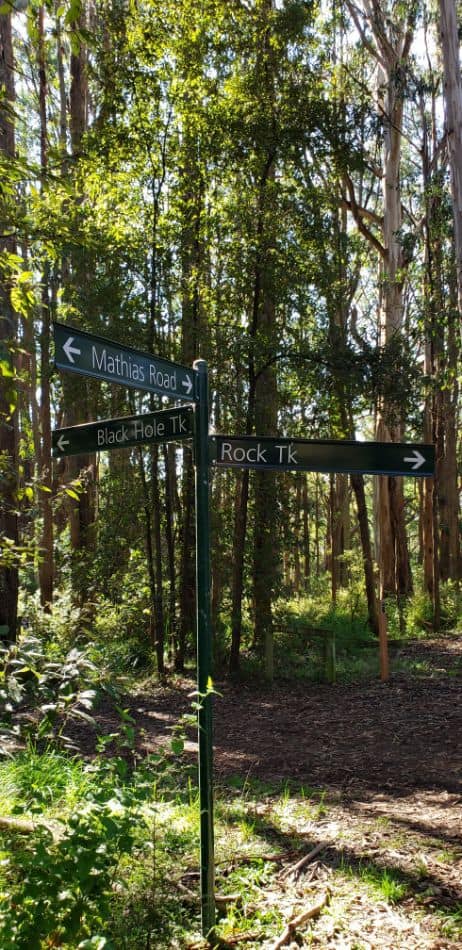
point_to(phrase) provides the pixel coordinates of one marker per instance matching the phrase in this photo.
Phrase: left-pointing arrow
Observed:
(62, 442)
(69, 349)
(417, 458)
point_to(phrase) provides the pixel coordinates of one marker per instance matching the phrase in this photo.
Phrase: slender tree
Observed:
(8, 341)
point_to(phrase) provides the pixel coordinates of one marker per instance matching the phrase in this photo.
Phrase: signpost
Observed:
(167, 425)
(306, 455)
(77, 351)
(204, 652)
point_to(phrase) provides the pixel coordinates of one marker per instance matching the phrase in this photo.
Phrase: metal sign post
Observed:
(88, 355)
(79, 352)
(204, 651)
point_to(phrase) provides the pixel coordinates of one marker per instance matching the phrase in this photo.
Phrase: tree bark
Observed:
(450, 42)
(9, 582)
(46, 565)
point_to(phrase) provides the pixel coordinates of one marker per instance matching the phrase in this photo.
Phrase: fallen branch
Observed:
(250, 858)
(23, 826)
(298, 921)
(296, 868)
(221, 900)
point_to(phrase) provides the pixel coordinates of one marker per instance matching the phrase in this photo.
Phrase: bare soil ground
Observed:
(388, 759)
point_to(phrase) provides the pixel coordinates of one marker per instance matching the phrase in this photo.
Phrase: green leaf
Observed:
(6, 369)
(177, 745)
(72, 494)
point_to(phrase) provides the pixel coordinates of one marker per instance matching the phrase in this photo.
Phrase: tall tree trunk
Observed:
(450, 47)
(264, 340)
(191, 262)
(237, 580)
(79, 394)
(394, 557)
(170, 517)
(389, 41)
(306, 534)
(8, 333)
(46, 566)
(357, 483)
(159, 602)
(297, 534)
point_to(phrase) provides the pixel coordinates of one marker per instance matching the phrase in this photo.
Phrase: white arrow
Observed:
(62, 442)
(187, 383)
(417, 459)
(69, 349)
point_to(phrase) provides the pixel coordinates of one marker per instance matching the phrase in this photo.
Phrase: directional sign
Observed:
(79, 352)
(168, 425)
(373, 458)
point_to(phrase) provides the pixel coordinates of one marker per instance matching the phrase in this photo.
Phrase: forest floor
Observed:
(368, 774)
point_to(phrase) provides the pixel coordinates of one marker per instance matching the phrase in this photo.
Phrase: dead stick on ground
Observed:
(298, 921)
(22, 826)
(295, 868)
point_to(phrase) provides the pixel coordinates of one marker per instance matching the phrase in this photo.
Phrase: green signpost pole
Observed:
(204, 650)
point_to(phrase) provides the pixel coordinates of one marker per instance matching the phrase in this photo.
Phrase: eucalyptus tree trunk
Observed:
(46, 565)
(394, 557)
(306, 534)
(237, 579)
(450, 47)
(264, 342)
(449, 504)
(8, 333)
(298, 541)
(191, 263)
(386, 30)
(79, 393)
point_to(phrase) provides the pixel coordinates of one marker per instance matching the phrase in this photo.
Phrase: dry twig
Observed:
(296, 868)
(301, 919)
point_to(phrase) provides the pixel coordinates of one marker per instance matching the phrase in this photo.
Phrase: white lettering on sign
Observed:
(161, 379)
(123, 366)
(291, 458)
(252, 455)
(178, 424)
(106, 436)
(145, 431)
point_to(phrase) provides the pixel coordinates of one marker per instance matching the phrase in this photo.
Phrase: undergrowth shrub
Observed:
(40, 696)
(93, 859)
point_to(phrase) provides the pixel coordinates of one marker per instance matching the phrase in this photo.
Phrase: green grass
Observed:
(47, 782)
(387, 884)
(451, 922)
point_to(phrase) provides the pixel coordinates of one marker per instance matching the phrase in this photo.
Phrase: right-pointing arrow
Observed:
(187, 383)
(417, 459)
(62, 442)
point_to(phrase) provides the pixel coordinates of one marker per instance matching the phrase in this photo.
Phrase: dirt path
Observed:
(388, 759)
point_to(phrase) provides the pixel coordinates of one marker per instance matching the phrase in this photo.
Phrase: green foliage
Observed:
(63, 888)
(306, 628)
(418, 611)
(33, 782)
(40, 696)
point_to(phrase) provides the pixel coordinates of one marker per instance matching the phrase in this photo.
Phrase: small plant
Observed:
(386, 882)
(39, 696)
